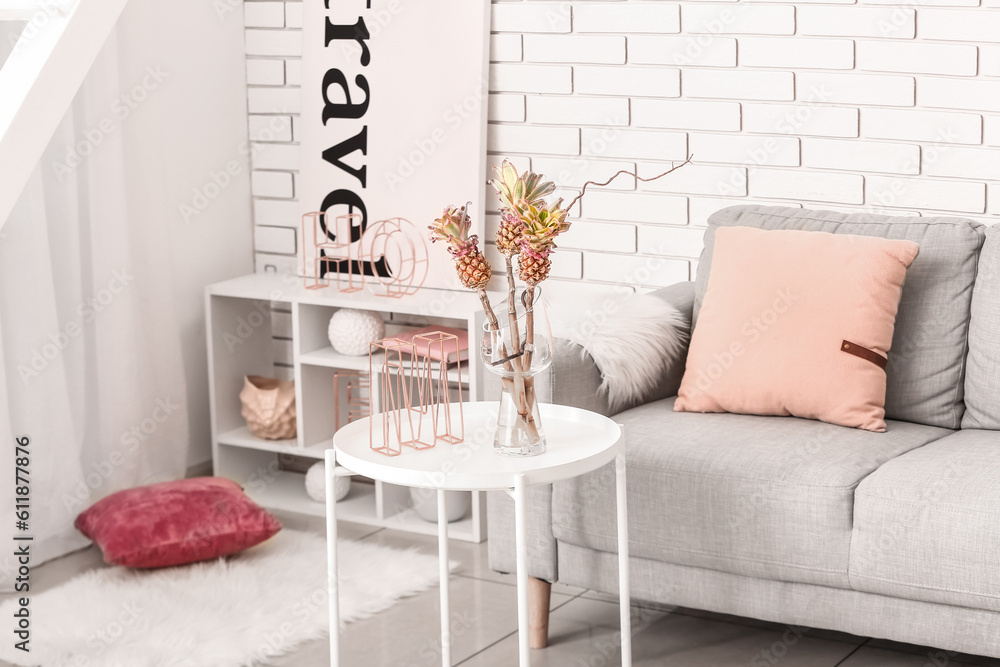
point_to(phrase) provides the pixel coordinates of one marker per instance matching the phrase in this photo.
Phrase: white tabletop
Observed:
(577, 441)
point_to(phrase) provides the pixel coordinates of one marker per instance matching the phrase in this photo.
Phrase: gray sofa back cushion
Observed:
(982, 376)
(926, 368)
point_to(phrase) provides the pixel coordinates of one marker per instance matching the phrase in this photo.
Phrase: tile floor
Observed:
(583, 626)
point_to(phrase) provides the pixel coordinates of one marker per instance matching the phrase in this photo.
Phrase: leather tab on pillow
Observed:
(864, 353)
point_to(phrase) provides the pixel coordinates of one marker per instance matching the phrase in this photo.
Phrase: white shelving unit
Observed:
(240, 343)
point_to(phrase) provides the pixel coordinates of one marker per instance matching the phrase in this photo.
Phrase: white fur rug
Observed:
(227, 613)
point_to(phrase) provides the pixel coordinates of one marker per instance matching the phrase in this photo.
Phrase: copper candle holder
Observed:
(393, 362)
(433, 352)
(412, 385)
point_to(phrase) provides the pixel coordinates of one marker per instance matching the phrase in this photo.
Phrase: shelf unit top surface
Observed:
(285, 287)
(330, 358)
(577, 441)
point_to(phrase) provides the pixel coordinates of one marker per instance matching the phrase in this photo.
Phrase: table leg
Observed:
(624, 592)
(445, 573)
(520, 520)
(333, 583)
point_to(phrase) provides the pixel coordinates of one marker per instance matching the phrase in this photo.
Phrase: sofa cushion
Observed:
(927, 360)
(758, 496)
(175, 523)
(927, 524)
(982, 375)
(796, 323)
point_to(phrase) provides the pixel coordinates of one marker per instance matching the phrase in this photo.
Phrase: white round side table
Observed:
(577, 441)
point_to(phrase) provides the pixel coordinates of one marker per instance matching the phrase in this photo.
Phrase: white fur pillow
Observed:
(633, 343)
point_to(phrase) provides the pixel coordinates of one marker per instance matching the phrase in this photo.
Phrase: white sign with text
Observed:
(393, 122)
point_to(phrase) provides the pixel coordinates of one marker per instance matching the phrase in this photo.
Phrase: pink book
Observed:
(461, 354)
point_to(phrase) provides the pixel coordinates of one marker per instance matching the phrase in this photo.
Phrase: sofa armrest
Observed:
(574, 378)
(542, 560)
(681, 297)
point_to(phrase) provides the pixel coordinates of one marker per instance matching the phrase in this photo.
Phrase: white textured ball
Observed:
(457, 503)
(316, 483)
(351, 331)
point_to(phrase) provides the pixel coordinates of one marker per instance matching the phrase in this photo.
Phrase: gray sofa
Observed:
(893, 535)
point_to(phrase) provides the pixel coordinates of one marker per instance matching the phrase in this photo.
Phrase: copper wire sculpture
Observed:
(410, 383)
(356, 387)
(432, 352)
(316, 239)
(392, 361)
(404, 251)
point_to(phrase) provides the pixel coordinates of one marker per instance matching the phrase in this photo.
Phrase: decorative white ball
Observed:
(351, 331)
(316, 483)
(426, 505)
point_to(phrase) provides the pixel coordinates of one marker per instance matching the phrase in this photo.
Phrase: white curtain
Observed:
(91, 367)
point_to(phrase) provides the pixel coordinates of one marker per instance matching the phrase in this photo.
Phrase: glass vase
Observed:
(517, 348)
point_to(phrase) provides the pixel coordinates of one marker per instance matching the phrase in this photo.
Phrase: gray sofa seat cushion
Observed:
(927, 360)
(768, 497)
(927, 524)
(982, 378)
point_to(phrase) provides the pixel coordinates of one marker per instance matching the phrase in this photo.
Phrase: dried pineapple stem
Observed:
(488, 309)
(626, 171)
(529, 326)
(495, 326)
(529, 382)
(521, 387)
(526, 398)
(515, 336)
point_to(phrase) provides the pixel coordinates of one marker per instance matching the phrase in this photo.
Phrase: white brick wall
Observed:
(886, 105)
(608, 49)
(799, 52)
(746, 19)
(889, 22)
(938, 58)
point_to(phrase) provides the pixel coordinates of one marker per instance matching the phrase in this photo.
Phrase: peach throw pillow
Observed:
(796, 323)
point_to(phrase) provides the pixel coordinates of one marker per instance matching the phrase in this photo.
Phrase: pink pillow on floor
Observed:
(173, 523)
(796, 323)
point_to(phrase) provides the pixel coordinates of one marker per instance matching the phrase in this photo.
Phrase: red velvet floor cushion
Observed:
(178, 522)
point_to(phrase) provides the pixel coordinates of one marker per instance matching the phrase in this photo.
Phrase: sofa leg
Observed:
(539, 594)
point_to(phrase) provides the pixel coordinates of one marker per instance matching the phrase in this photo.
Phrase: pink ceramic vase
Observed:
(269, 407)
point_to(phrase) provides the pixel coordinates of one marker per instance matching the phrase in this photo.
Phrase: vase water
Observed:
(517, 351)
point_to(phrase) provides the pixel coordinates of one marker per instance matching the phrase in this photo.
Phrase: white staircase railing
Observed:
(40, 78)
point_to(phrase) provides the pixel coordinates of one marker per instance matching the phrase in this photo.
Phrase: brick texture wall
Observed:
(846, 105)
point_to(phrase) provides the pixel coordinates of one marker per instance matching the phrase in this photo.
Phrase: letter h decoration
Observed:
(316, 239)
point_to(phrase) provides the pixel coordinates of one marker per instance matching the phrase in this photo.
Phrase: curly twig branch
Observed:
(626, 171)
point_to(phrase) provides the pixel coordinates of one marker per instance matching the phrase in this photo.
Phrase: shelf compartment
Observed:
(240, 344)
(409, 521)
(242, 437)
(287, 493)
